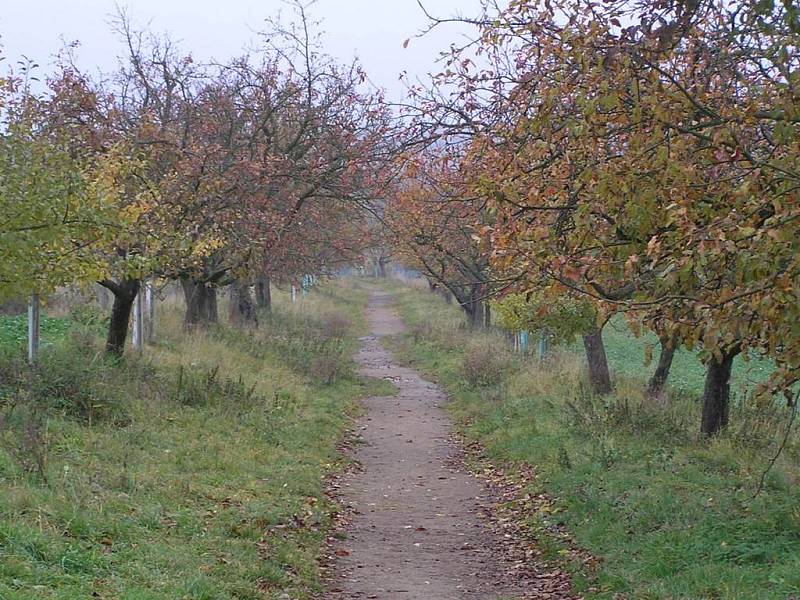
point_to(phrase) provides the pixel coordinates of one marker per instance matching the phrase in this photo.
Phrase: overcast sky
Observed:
(373, 30)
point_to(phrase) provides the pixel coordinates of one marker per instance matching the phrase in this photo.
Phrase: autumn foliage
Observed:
(641, 156)
(210, 175)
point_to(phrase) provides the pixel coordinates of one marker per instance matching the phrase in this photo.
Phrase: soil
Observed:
(418, 527)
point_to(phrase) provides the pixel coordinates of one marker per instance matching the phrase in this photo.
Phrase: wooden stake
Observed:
(137, 338)
(33, 328)
(150, 314)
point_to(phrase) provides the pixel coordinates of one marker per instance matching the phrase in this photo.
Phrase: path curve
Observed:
(417, 530)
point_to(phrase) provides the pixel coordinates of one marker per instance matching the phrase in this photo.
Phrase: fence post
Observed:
(137, 338)
(33, 328)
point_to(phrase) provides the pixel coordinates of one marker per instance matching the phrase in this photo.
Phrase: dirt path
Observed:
(417, 531)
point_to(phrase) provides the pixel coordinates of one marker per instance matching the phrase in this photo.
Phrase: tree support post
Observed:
(150, 314)
(137, 338)
(33, 328)
(523, 341)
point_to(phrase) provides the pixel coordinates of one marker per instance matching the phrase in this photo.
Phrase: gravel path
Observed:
(417, 529)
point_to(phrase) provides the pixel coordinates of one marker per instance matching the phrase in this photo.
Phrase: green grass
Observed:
(668, 514)
(626, 354)
(196, 472)
(14, 330)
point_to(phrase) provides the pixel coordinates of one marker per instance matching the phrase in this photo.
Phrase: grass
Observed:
(668, 514)
(14, 330)
(626, 354)
(195, 472)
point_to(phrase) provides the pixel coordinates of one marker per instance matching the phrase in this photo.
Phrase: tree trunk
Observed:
(717, 392)
(487, 314)
(212, 314)
(474, 310)
(242, 309)
(201, 302)
(382, 266)
(655, 387)
(599, 377)
(263, 293)
(124, 294)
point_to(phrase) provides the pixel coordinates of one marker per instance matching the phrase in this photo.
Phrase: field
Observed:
(626, 355)
(194, 472)
(667, 513)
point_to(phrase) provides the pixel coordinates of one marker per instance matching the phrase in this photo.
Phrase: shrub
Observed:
(317, 346)
(485, 365)
(198, 386)
(335, 326)
(330, 362)
(75, 379)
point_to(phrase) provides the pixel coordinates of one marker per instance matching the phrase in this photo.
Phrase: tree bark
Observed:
(655, 387)
(474, 310)
(124, 294)
(201, 302)
(382, 261)
(263, 293)
(599, 377)
(717, 392)
(242, 308)
(487, 314)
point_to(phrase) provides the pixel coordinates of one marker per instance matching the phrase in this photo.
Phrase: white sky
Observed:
(373, 30)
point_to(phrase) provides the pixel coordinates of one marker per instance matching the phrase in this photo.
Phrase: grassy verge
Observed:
(668, 514)
(195, 472)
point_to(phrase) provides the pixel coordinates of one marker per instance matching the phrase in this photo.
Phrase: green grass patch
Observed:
(14, 330)
(194, 472)
(626, 356)
(668, 513)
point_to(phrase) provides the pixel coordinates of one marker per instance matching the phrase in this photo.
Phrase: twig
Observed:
(785, 440)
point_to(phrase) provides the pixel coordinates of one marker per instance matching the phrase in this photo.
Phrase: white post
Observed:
(33, 328)
(294, 294)
(138, 322)
(150, 314)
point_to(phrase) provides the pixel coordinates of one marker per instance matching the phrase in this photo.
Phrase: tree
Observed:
(53, 218)
(437, 230)
(647, 166)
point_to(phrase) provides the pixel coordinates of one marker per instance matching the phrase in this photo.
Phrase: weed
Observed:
(23, 434)
(199, 386)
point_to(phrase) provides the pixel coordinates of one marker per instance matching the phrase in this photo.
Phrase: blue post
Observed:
(523, 341)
